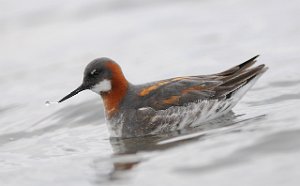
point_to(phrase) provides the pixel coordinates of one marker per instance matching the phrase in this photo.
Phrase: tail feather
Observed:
(232, 83)
(243, 76)
(239, 67)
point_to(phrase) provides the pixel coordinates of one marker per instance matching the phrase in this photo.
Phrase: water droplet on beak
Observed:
(48, 103)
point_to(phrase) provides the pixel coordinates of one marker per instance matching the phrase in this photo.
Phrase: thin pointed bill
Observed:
(73, 93)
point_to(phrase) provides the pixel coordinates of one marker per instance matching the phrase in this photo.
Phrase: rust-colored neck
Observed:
(119, 85)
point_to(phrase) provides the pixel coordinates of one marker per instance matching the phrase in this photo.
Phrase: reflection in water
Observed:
(127, 153)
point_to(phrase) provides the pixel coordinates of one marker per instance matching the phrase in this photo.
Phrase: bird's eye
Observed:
(95, 72)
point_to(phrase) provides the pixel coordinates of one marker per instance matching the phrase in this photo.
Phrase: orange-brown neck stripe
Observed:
(119, 84)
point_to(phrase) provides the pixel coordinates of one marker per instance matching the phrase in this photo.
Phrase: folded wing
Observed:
(183, 90)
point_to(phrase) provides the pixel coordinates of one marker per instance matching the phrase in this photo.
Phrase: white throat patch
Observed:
(103, 86)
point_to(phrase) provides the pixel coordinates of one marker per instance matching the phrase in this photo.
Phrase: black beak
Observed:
(73, 93)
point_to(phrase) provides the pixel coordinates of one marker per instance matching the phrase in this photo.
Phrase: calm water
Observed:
(45, 46)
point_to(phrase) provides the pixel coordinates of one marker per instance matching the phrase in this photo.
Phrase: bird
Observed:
(165, 105)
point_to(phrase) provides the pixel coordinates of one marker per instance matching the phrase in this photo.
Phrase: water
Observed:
(45, 46)
(48, 103)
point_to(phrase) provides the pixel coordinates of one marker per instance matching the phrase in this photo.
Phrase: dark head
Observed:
(101, 76)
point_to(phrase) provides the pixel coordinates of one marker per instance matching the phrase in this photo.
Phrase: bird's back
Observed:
(180, 91)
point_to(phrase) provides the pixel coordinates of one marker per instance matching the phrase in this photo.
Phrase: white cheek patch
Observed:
(103, 86)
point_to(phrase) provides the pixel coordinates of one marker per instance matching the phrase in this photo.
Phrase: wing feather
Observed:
(182, 90)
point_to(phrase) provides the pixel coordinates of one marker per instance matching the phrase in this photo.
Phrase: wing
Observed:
(182, 90)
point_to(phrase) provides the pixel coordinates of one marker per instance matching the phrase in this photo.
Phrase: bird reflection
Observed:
(129, 152)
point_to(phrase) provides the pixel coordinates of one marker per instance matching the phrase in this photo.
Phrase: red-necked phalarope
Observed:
(166, 105)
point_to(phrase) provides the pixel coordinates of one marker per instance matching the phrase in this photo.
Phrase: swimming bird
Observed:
(165, 105)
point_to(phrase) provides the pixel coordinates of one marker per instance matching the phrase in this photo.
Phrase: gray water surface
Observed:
(45, 46)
